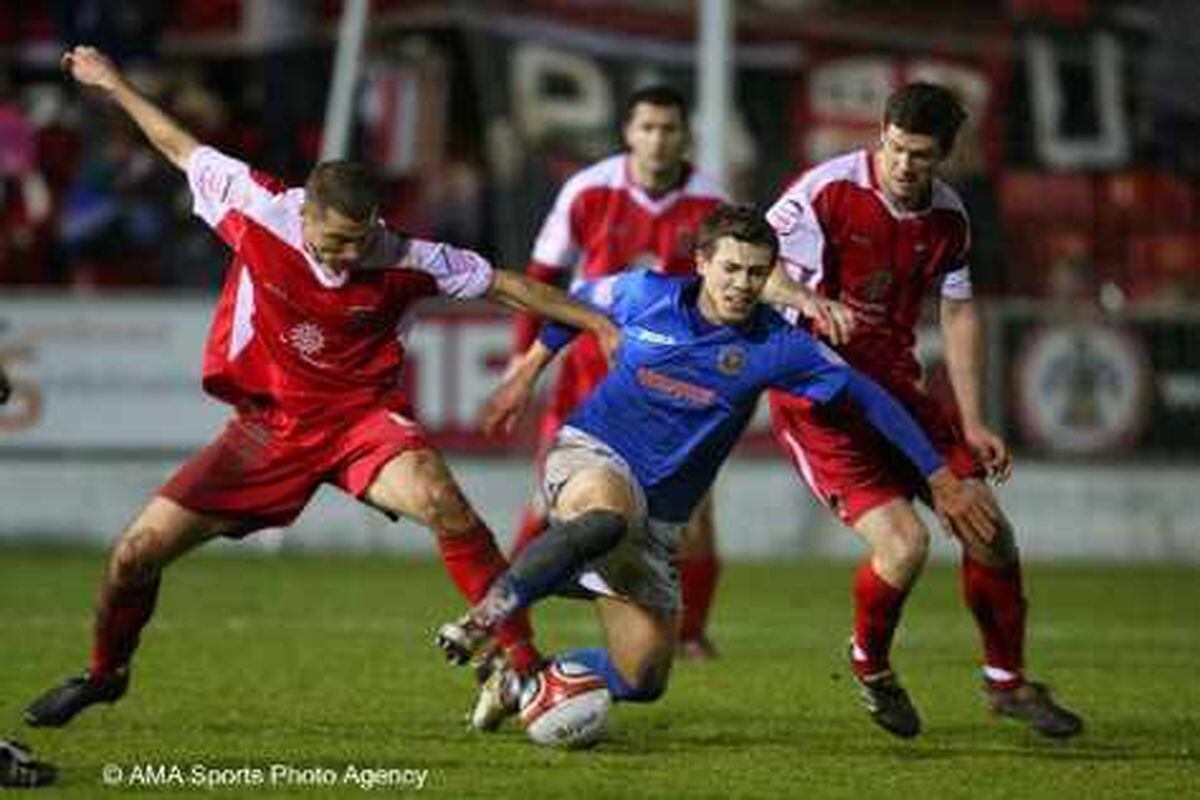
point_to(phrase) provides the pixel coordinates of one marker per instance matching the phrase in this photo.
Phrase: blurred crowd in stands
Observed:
(84, 203)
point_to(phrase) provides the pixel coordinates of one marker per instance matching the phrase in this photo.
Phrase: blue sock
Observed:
(596, 659)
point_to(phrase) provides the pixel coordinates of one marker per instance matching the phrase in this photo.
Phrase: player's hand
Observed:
(967, 509)
(90, 67)
(508, 401)
(830, 319)
(991, 450)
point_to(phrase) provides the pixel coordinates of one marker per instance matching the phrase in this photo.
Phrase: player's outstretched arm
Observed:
(830, 318)
(519, 292)
(509, 400)
(90, 67)
(964, 356)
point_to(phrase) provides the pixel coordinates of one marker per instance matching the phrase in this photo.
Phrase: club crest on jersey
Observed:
(731, 359)
(876, 287)
(307, 337)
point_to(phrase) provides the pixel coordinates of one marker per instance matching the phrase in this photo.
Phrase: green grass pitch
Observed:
(326, 662)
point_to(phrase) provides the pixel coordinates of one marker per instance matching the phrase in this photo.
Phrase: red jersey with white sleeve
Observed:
(311, 359)
(291, 335)
(603, 223)
(840, 235)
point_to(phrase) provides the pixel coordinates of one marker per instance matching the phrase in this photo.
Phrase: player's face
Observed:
(657, 139)
(907, 163)
(733, 278)
(334, 239)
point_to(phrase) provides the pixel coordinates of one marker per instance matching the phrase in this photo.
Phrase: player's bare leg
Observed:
(899, 544)
(162, 532)
(591, 516)
(699, 570)
(592, 512)
(641, 644)
(992, 589)
(418, 484)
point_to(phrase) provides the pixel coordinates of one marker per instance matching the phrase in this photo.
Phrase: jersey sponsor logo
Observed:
(860, 239)
(653, 337)
(731, 359)
(307, 338)
(675, 388)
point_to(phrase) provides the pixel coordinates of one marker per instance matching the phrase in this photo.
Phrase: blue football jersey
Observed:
(681, 390)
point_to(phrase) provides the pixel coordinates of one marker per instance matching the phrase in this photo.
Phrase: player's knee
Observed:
(908, 548)
(134, 561)
(596, 532)
(442, 506)
(1000, 552)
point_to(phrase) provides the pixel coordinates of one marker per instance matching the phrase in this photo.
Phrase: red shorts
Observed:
(850, 466)
(263, 476)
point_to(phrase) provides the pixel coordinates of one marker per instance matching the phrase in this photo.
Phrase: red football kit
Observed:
(310, 360)
(840, 235)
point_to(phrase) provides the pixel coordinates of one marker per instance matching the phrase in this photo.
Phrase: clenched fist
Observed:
(90, 67)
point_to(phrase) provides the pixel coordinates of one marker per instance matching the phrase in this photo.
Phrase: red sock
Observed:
(119, 621)
(532, 525)
(996, 598)
(698, 578)
(877, 606)
(474, 561)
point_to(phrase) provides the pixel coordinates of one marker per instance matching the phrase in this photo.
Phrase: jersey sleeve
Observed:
(957, 284)
(459, 273)
(806, 367)
(557, 246)
(615, 296)
(224, 190)
(801, 237)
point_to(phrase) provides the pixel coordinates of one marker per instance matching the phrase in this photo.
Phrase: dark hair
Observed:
(743, 223)
(662, 95)
(927, 109)
(346, 187)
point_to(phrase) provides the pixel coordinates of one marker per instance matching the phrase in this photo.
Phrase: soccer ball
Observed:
(565, 705)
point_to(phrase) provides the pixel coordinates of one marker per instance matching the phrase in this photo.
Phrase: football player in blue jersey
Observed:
(637, 455)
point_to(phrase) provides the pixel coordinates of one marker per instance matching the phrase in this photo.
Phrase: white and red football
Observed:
(565, 705)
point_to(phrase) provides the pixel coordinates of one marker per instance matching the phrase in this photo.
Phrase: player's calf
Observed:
(540, 570)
